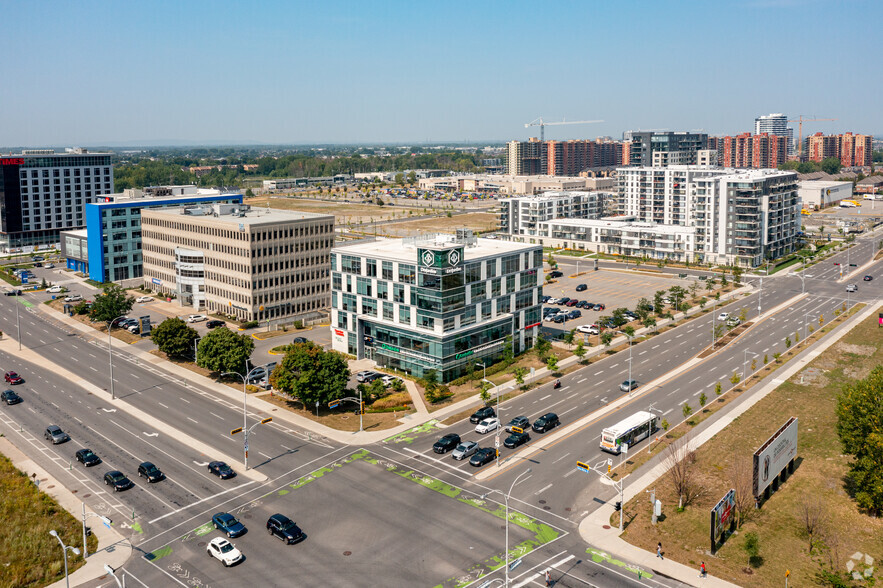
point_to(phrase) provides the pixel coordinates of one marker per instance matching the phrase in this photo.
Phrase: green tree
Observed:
(249, 193)
(751, 546)
(174, 338)
(657, 302)
(542, 346)
(412, 177)
(222, 350)
(519, 373)
(508, 353)
(569, 336)
(687, 410)
(787, 342)
(311, 374)
(776, 356)
(753, 364)
(743, 314)
(484, 393)
(737, 274)
(629, 331)
(665, 425)
(649, 322)
(552, 362)
(112, 303)
(678, 296)
(735, 378)
(860, 428)
(703, 399)
(606, 338)
(400, 179)
(766, 359)
(724, 281)
(831, 165)
(718, 389)
(580, 350)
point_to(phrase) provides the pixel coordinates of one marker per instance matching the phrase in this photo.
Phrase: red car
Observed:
(13, 378)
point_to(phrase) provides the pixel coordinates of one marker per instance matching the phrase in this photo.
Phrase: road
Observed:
(365, 508)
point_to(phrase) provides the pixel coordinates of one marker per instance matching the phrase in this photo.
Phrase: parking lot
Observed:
(613, 289)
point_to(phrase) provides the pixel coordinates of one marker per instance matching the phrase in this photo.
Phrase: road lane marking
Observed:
(192, 420)
(168, 514)
(581, 381)
(668, 411)
(216, 415)
(599, 373)
(185, 400)
(562, 457)
(541, 490)
(438, 461)
(162, 405)
(546, 396)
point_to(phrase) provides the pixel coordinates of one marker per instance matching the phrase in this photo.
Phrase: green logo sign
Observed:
(464, 354)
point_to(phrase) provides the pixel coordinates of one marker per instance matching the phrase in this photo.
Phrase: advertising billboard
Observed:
(774, 456)
(722, 516)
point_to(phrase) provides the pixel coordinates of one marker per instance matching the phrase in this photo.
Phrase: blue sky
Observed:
(85, 73)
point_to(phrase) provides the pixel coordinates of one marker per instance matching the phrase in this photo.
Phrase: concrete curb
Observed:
(591, 528)
(113, 548)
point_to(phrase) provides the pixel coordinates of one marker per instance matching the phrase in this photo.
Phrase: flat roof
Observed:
(820, 184)
(254, 216)
(402, 250)
(77, 233)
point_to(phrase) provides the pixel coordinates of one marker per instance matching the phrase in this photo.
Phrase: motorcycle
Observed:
(557, 384)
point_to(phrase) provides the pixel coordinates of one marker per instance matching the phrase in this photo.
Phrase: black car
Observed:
(150, 471)
(516, 439)
(546, 422)
(582, 288)
(214, 324)
(299, 340)
(545, 299)
(574, 314)
(868, 278)
(10, 397)
(481, 414)
(220, 469)
(483, 456)
(118, 480)
(563, 301)
(522, 422)
(87, 457)
(559, 318)
(556, 274)
(446, 443)
(284, 528)
(585, 304)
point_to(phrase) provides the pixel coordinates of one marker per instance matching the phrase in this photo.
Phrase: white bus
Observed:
(631, 430)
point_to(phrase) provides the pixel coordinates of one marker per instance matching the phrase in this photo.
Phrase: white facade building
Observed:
(775, 124)
(815, 195)
(520, 216)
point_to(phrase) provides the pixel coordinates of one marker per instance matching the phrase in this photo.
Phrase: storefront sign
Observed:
(408, 353)
(12, 160)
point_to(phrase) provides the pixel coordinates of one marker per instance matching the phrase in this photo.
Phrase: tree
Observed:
(743, 314)
(718, 389)
(751, 546)
(766, 359)
(694, 288)
(508, 354)
(580, 350)
(753, 364)
(542, 346)
(678, 295)
(111, 304)
(552, 362)
(249, 193)
(702, 400)
(657, 301)
(311, 374)
(570, 336)
(643, 308)
(831, 165)
(606, 338)
(174, 338)
(484, 391)
(412, 177)
(400, 179)
(629, 332)
(679, 460)
(718, 331)
(812, 515)
(222, 350)
(741, 476)
(860, 428)
(737, 274)
(519, 373)
(687, 410)
(724, 278)
(797, 336)
(649, 322)
(776, 356)
(735, 378)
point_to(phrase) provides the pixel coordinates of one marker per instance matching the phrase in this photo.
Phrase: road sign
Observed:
(609, 461)
(624, 448)
(497, 442)
(583, 467)
(334, 404)
(246, 446)
(517, 430)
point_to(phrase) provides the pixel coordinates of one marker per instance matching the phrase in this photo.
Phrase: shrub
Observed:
(250, 325)
(298, 325)
(393, 401)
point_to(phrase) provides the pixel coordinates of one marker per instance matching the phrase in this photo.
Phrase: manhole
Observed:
(542, 502)
(86, 495)
(246, 516)
(547, 508)
(74, 491)
(567, 509)
(52, 486)
(347, 552)
(201, 544)
(605, 526)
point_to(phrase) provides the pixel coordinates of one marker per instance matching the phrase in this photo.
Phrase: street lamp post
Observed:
(86, 515)
(110, 354)
(745, 361)
(245, 380)
(18, 319)
(65, 549)
(507, 496)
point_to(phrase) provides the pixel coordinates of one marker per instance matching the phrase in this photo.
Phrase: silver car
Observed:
(464, 450)
(55, 434)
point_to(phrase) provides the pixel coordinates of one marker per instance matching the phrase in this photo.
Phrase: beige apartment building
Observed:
(255, 264)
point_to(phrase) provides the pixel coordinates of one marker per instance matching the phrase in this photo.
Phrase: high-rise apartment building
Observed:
(43, 192)
(775, 124)
(528, 158)
(645, 143)
(753, 151)
(852, 150)
(562, 158)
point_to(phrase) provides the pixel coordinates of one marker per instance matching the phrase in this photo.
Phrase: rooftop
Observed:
(406, 249)
(238, 214)
(821, 184)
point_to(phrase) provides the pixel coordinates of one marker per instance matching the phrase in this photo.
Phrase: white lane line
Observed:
(162, 405)
(571, 472)
(216, 415)
(654, 347)
(438, 461)
(286, 447)
(185, 400)
(541, 490)
(643, 352)
(192, 420)
(569, 409)
(668, 411)
(581, 381)
(92, 368)
(562, 457)
(599, 373)
(546, 396)
(168, 514)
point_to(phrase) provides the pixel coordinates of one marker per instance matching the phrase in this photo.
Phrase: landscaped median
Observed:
(811, 525)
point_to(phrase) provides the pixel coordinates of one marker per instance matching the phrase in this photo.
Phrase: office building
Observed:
(520, 216)
(763, 151)
(777, 125)
(815, 195)
(852, 150)
(113, 227)
(436, 302)
(255, 264)
(645, 143)
(43, 192)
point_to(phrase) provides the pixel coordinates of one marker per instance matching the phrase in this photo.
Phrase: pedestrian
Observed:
(548, 576)
(659, 550)
(702, 571)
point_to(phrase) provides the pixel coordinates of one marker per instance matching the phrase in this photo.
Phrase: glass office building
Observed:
(436, 302)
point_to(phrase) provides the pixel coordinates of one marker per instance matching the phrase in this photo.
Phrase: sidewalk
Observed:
(113, 548)
(592, 528)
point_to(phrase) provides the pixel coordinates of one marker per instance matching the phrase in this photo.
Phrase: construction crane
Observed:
(800, 120)
(539, 122)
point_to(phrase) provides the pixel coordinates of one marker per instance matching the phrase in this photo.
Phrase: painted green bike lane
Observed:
(541, 532)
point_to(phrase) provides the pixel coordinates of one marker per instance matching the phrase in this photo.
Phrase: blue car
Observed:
(227, 523)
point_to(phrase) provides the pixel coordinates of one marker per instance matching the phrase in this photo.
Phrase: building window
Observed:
(407, 273)
(382, 290)
(386, 269)
(388, 311)
(486, 310)
(363, 286)
(405, 315)
(341, 320)
(495, 287)
(398, 293)
(478, 291)
(371, 268)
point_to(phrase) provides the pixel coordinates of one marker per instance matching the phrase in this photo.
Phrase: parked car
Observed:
(360, 376)
(13, 378)
(628, 385)
(10, 397)
(572, 302)
(545, 299)
(553, 300)
(516, 439)
(446, 443)
(581, 288)
(55, 434)
(49, 265)
(585, 304)
(73, 298)
(588, 329)
(228, 524)
(38, 264)
(224, 551)
(556, 274)
(221, 469)
(284, 528)
(299, 340)
(481, 414)
(196, 318)
(483, 456)
(559, 318)
(598, 307)
(465, 449)
(550, 318)
(563, 301)
(546, 422)
(142, 299)
(487, 425)
(87, 457)
(55, 289)
(150, 472)
(388, 380)
(574, 314)
(118, 480)
(723, 316)
(522, 422)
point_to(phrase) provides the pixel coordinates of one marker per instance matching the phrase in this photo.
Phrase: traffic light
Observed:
(617, 506)
(266, 420)
(236, 430)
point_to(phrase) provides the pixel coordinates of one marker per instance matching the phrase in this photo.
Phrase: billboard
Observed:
(722, 516)
(774, 456)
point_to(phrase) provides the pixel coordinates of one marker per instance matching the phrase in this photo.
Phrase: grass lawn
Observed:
(343, 211)
(820, 468)
(29, 555)
(477, 221)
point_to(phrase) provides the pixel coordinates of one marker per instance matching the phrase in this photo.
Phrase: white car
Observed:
(49, 265)
(488, 425)
(55, 289)
(221, 549)
(552, 301)
(73, 298)
(388, 380)
(145, 299)
(733, 321)
(588, 329)
(851, 288)
(723, 316)
(551, 317)
(196, 318)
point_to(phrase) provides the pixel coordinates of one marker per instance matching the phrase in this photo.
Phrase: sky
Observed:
(291, 72)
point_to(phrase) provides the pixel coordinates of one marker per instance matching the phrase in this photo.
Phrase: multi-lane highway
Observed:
(394, 510)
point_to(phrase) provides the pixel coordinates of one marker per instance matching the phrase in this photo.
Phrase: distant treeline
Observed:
(150, 169)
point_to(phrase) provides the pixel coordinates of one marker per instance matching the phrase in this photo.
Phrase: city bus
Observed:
(631, 430)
